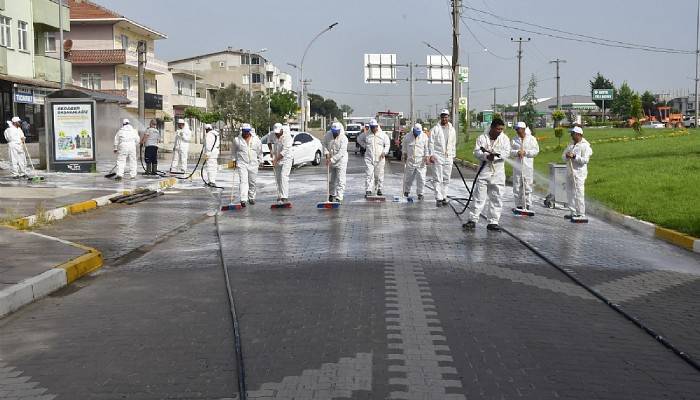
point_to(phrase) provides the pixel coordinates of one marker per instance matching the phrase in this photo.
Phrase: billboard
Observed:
(73, 131)
(380, 68)
(439, 69)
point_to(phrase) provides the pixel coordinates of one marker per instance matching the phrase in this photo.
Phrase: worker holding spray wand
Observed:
(524, 149)
(491, 147)
(577, 155)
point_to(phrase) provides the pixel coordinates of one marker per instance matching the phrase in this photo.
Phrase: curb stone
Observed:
(84, 206)
(60, 276)
(644, 228)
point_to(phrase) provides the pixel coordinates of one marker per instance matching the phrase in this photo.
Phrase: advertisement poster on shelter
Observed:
(73, 132)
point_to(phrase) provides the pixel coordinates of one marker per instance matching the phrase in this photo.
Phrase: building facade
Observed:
(29, 60)
(249, 71)
(105, 57)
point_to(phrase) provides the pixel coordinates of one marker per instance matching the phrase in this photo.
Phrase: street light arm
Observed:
(313, 40)
(443, 56)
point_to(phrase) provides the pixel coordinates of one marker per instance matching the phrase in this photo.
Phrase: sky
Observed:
(334, 63)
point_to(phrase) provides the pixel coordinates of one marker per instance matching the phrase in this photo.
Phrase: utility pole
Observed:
(697, 58)
(142, 83)
(494, 100)
(520, 62)
(60, 42)
(558, 61)
(410, 78)
(456, 10)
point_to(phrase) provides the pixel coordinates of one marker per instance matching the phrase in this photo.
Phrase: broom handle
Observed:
(26, 151)
(328, 178)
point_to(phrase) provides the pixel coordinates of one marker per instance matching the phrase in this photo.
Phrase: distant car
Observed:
(306, 149)
(689, 122)
(654, 125)
(352, 131)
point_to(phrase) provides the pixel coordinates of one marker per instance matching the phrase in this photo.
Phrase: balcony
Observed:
(98, 57)
(186, 101)
(49, 69)
(45, 12)
(152, 64)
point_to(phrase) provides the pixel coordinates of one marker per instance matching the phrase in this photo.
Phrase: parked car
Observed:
(306, 149)
(352, 131)
(689, 122)
(654, 125)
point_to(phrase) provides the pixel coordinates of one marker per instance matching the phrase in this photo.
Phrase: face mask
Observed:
(416, 133)
(246, 135)
(335, 134)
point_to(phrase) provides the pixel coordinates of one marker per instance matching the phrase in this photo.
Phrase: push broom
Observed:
(231, 206)
(276, 206)
(328, 204)
(35, 178)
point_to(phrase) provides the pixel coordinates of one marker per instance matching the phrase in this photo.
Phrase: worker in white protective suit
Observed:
(282, 159)
(415, 156)
(524, 149)
(247, 156)
(126, 141)
(183, 136)
(212, 143)
(335, 148)
(576, 155)
(376, 144)
(15, 148)
(492, 147)
(442, 150)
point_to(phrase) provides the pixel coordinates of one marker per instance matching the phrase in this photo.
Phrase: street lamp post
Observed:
(302, 125)
(455, 117)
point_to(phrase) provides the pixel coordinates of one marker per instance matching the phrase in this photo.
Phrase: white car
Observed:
(654, 125)
(306, 149)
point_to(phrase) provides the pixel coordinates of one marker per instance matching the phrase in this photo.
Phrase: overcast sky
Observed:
(334, 63)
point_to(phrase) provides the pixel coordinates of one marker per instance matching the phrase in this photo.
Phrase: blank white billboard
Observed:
(439, 69)
(380, 68)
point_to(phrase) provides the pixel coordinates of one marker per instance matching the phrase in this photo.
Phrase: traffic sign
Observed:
(602, 94)
(463, 74)
(462, 103)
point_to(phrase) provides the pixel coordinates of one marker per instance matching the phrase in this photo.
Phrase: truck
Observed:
(390, 122)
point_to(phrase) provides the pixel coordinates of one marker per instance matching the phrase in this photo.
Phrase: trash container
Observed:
(557, 185)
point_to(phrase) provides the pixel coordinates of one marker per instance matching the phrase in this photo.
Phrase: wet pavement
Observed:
(369, 301)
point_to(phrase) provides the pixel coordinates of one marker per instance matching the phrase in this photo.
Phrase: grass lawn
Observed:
(655, 178)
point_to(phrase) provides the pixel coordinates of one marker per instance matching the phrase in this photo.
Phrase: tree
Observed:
(232, 104)
(636, 112)
(283, 104)
(601, 82)
(622, 103)
(528, 114)
(346, 109)
(557, 116)
(648, 103)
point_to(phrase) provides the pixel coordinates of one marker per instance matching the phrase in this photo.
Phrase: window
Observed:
(179, 87)
(303, 138)
(257, 78)
(22, 35)
(222, 85)
(126, 82)
(244, 79)
(269, 76)
(244, 59)
(255, 60)
(50, 42)
(91, 81)
(222, 64)
(147, 85)
(191, 90)
(5, 37)
(125, 42)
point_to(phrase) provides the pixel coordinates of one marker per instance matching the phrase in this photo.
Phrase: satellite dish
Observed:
(67, 45)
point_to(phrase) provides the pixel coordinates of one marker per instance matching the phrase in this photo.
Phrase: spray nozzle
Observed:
(490, 152)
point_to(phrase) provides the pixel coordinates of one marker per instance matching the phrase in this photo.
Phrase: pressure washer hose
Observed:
(242, 389)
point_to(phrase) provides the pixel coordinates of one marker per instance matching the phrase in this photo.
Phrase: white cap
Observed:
(277, 128)
(576, 129)
(208, 126)
(16, 119)
(418, 127)
(336, 127)
(180, 121)
(520, 124)
(445, 112)
(125, 121)
(373, 122)
(246, 127)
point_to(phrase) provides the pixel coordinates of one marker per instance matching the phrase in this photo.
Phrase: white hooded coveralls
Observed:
(492, 181)
(248, 157)
(212, 144)
(337, 150)
(182, 147)
(126, 141)
(523, 173)
(577, 173)
(376, 148)
(443, 145)
(282, 146)
(415, 150)
(15, 150)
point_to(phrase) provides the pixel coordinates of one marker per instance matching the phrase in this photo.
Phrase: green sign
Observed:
(463, 74)
(602, 94)
(488, 117)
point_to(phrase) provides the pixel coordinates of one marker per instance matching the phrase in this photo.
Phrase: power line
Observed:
(377, 94)
(481, 44)
(578, 36)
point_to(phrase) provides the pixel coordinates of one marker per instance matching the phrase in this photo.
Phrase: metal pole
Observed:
(60, 40)
(469, 104)
(603, 110)
(456, 9)
(697, 58)
(250, 90)
(494, 100)
(558, 61)
(520, 59)
(301, 73)
(302, 121)
(410, 78)
(142, 81)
